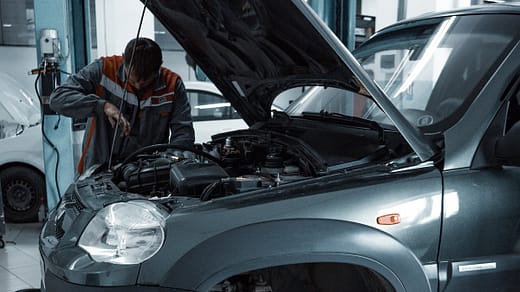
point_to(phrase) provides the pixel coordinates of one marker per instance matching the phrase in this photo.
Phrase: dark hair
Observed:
(147, 57)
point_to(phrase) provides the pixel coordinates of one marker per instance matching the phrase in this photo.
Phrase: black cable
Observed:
(125, 91)
(46, 138)
(64, 72)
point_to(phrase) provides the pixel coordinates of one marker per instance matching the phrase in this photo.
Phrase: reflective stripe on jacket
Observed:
(160, 112)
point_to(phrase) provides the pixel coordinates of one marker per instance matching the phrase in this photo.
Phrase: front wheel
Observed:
(23, 190)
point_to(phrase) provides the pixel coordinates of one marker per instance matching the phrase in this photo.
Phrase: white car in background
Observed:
(21, 161)
(210, 111)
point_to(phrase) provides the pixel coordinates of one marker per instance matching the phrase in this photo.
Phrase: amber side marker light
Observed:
(389, 219)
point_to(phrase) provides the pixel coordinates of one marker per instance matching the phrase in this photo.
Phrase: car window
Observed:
(335, 100)
(432, 70)
(287, 97)
(207, 106)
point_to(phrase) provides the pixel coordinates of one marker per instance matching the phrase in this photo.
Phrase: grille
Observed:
(76, 202)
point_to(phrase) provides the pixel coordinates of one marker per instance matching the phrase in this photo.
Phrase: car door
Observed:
(480, 245)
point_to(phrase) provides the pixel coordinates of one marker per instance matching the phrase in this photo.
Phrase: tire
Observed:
(23, 190)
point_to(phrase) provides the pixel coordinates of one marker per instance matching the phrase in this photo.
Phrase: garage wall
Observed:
(114, 30)
(117, 22)
(385, 11)
(416, 8)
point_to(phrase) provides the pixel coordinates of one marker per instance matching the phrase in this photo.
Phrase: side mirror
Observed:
(507, 148)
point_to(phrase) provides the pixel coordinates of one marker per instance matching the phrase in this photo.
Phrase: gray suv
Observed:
(396, 171)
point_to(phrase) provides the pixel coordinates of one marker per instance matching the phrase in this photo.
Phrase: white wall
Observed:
(117, 23)
(176, 61)
(445, 5)
(385, 11)
(415, 8)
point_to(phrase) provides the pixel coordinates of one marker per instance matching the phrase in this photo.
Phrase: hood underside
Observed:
(255, 49)
(249, 51)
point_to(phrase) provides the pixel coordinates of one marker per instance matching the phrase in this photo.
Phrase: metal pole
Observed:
(346, 22)
(59, 166)
(402, 6)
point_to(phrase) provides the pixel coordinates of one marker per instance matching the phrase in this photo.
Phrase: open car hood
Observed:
(16, 105)
(253, 50)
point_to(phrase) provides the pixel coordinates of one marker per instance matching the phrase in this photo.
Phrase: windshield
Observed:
(431, 70)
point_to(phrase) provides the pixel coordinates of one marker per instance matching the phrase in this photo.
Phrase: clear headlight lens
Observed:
(125, 233)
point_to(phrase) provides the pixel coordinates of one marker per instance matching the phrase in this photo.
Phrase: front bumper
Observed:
(64, 265)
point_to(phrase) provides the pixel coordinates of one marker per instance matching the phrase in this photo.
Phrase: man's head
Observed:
(147, 60)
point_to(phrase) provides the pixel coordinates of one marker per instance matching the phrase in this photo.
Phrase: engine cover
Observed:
(189, 177)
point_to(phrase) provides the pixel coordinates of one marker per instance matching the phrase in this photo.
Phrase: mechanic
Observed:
(131, 94)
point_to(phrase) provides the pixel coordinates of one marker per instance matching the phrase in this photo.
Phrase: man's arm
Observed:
(76, 97)
(181, 124)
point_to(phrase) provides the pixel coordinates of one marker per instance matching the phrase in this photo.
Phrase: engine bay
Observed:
(241, 161)
(226, 166)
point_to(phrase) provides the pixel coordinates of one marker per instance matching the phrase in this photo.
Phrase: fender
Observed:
(25, 149)
(293, 241)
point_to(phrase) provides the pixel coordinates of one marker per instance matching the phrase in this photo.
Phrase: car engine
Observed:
(225, 166)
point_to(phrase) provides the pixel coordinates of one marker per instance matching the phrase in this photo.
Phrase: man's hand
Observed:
(112, 112)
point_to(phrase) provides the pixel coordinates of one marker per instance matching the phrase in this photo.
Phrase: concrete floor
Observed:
(20, 258)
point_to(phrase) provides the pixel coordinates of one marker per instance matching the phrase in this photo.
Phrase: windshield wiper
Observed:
(19, 129)
(347, 120)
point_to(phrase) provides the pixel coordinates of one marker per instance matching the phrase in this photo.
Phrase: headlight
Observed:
(125, 233)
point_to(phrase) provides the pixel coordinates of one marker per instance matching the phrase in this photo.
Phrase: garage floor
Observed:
(20, 258)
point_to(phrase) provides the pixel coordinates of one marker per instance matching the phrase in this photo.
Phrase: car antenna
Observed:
(123, 100)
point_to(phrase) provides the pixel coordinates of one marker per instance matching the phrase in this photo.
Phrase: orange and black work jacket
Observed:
(159, 114)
